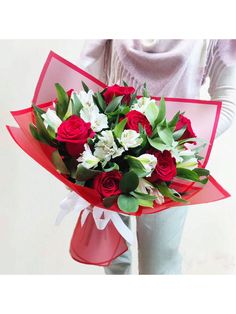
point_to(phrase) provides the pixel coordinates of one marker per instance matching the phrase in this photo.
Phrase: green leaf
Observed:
(112, 106)
(192, 139)
(119, 128)
(145, 91)
(133, 98)
(162, 111)
(35, 134)
(84, 174)
(62, 101)
(158, 144)
(58, 163)
(136, 166)
(76, 104)
(129, 182)
(101, 102)
(187, 174)
(124, 83)
(166, 191)
(177, 134)
(109, 201)
(145, 203)
(175, 119)
(111, 166)
(165, 135)
(128, 203)
(202, 172)
(41, 129)
(143, 196)
(151, 113)
(85, 87)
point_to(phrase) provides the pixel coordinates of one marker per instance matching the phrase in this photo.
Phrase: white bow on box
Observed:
(101, 216)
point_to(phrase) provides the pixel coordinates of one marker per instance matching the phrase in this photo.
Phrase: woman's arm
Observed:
(222, 87)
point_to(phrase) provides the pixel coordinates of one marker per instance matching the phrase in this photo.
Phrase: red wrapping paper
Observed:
(90, 245)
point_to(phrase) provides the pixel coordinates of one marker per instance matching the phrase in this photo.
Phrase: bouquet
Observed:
(118, 152)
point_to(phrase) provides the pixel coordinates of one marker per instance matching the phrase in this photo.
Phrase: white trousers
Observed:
(159, 236)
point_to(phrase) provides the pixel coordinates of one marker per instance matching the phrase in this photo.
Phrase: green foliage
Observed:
(170, 193)
(85, 87)
(40, 132)
(58, 162)
(158, 144)
(151, 113)
(62, 101)
(84, 174)
(129, 182)
(119, 128)
(136, 166)
(128, 203)
(76, 104)
(113, 105)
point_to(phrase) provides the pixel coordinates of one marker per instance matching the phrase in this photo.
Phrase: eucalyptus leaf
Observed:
(109, 201)
(127, 203)
(129, 182)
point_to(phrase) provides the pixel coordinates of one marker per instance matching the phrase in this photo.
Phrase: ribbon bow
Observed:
(101, 216)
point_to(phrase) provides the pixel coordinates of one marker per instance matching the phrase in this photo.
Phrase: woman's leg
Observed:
(159, 237)
(122, 264)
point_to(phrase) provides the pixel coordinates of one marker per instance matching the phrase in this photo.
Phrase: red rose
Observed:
(75, 133)
(135, 118)
(183, 121)
(116, 90)
(166, 166)
(107, 183)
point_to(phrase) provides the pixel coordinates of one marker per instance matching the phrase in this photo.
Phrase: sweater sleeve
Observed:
(94, 58)
(222, 74)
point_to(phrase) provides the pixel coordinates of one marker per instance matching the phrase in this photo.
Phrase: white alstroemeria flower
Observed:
(91, 114)
(87, 159)
(142, 104)
(130, 139)
(149, 162)
(51, 119)
(147, 188)
(86, 99)
(106, 147)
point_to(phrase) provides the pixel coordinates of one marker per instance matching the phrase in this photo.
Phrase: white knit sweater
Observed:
(171, 68)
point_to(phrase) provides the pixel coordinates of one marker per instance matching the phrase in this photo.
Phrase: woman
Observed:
(172, 68)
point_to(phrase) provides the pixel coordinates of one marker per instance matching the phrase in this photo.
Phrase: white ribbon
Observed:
(101, 216)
